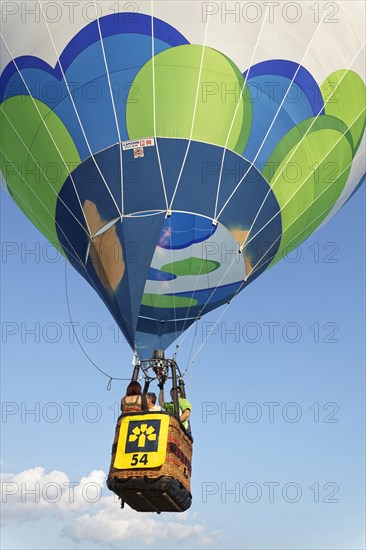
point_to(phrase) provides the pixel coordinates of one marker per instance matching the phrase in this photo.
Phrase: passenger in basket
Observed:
(151, 402)
(132, 402)
(184, 405)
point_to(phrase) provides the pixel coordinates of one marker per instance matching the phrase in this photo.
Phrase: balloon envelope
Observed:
(174, 156)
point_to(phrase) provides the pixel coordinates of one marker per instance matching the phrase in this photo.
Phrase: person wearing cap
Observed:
(185, 406)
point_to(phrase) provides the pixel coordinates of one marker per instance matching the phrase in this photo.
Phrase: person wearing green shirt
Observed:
(185, 406)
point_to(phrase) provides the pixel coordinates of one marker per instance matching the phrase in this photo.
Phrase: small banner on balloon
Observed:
(137, 143)
(142, 441)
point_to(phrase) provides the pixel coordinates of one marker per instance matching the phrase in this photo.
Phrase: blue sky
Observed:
(283, 470)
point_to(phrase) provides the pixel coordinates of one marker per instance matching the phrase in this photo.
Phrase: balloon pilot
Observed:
(185, 406)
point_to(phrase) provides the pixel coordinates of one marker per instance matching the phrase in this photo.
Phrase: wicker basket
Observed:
(178, 456)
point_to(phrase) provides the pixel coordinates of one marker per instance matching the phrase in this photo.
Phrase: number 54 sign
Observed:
(142, 441)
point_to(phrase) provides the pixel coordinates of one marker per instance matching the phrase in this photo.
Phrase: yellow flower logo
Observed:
(142, 433)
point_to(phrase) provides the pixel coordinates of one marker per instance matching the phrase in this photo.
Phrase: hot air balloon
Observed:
(173, 155)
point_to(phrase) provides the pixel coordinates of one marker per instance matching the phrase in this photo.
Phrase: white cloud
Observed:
(111, 524)
(89, 512)
(32, 493)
